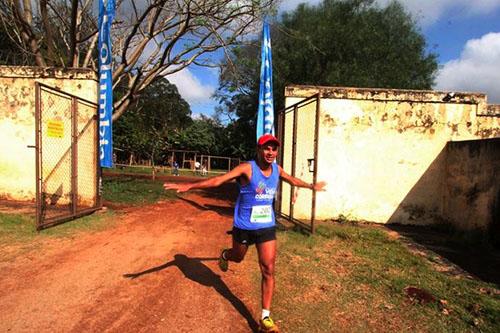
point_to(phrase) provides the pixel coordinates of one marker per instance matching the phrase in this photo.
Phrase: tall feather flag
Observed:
(265, 115)
(106, 15)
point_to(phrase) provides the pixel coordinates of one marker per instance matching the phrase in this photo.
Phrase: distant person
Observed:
(254, 221)
(197, 166)
(204, 171)
(175, 169)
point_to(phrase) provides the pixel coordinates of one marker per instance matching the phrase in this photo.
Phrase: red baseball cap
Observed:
(266, 138)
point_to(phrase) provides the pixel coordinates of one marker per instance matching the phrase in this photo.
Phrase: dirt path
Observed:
(155, 271)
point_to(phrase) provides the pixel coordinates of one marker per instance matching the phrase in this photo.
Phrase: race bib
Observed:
(261, 214)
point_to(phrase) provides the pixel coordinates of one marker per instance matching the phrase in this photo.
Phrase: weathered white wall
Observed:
(383, 154)
(472, 189)
(17, 121)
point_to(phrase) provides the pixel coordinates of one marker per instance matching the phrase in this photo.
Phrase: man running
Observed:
(254, 220)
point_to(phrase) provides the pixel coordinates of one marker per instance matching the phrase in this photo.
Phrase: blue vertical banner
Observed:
(265, 115)
(106, 15)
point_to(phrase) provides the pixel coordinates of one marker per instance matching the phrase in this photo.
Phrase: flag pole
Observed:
(106, 15)
(265, 112)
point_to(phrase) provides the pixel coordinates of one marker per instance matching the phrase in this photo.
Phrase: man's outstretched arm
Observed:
(319, 186)
(240, 170)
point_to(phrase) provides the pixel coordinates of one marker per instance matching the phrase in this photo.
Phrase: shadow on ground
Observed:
(227, 191)
(195, 270)
(479, 261)
(222, 210)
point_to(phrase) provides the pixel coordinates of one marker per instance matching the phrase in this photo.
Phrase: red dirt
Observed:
(154, 271)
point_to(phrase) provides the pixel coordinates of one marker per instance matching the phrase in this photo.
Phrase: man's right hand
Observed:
(179, 187)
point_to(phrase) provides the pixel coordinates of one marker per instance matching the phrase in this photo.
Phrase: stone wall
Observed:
(383, 152)
(472, 188)
(17, 121)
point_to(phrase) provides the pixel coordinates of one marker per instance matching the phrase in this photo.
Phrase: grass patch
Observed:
(353, 279)
(130, 190)
(21, 228)
(16, 226)
(161, 171)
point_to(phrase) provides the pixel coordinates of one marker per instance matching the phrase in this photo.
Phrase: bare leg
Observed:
(267, 257)
(237, 252)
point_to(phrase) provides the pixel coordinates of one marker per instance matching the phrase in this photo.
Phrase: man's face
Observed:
(268, 152)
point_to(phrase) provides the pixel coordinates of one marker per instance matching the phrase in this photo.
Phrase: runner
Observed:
(254, 220)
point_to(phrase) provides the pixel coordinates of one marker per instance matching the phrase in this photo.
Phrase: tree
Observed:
(151, 38)
(350, 43)
(9, 52)
(238, 95)
(145, 130)
(353, 43)
(200, 136)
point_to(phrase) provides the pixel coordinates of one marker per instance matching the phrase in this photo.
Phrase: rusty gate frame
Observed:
(281, 136)
(41, 222)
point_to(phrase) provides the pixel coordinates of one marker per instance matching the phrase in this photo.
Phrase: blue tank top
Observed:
(254, 207)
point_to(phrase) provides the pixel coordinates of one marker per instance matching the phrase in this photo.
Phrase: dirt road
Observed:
(155, 270)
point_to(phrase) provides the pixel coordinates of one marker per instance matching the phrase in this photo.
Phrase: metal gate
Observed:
(298, 128)
(67, 166)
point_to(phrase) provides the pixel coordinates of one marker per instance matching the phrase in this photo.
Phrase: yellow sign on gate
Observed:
(55, 128)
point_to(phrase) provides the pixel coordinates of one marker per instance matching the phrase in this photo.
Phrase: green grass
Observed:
(15, 226)
(139, 170)
(160, 172)
(121, 190)
(352, 278)
(134, 191)
(21, 228)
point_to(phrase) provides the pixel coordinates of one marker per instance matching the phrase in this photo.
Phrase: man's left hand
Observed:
(319, 186)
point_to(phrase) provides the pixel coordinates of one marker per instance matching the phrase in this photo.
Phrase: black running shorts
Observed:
(249, 237)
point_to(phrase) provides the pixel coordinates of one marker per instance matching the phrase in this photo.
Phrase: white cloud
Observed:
(196, 115)
(289, 5)
(426, 12)
(190, 87)
(477, 69)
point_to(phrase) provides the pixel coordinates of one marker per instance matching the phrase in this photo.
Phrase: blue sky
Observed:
(464, 33)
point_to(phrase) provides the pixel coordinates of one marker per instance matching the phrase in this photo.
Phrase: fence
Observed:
(189, 159)
(299, 158)
(67, 165)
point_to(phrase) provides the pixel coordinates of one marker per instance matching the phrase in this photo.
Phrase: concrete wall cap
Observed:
(302, 91)
(494, 110)
(47, 72)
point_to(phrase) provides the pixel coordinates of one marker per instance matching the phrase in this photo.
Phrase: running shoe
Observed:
(267, 325)
(223, 264)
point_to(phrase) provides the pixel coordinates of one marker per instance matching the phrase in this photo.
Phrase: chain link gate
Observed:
(298, 129)
(67, 165)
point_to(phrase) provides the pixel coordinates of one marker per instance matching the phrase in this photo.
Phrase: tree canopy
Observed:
(151, 38)
(161, 120)
(9, 54)
(147, 128)
(202, 135)
(350, 43)
(353, 43)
